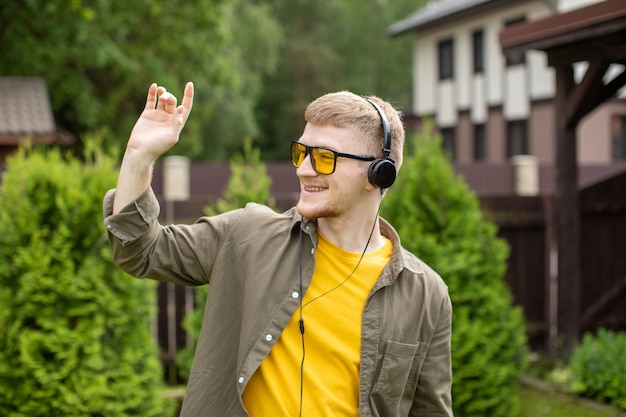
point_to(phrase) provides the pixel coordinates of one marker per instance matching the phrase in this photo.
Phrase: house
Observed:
(542, 80)
(25, 113)
(489, 106)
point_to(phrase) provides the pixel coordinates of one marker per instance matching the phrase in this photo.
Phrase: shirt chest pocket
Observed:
(394, 388)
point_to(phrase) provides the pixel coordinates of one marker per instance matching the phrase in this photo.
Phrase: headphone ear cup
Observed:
(382, 173)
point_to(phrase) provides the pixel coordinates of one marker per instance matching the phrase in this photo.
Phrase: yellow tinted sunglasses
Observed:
(323, 160)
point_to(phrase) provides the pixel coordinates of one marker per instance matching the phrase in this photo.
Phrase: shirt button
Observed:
(240, 380)
(268, 337)
(312, 251)
(294, 294)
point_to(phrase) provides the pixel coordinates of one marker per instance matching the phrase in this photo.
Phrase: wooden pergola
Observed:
(595, 34)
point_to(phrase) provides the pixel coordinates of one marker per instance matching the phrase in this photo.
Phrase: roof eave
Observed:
(417, 21)
(555, 30)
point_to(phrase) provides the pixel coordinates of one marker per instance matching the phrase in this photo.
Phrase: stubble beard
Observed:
(316, 211)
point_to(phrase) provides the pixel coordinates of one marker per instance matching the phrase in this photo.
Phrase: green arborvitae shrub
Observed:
(439, 219)
(249, 182)
(74, 330)
(598, 367)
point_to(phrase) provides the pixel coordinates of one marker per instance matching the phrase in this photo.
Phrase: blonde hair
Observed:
(346, 109)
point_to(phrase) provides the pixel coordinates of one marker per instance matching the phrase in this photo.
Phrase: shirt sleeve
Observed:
(179, 253)
(132, 221)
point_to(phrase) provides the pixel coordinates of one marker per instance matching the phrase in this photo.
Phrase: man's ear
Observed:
(371, 187)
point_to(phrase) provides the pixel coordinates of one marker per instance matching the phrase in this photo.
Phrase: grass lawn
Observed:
(537, 402)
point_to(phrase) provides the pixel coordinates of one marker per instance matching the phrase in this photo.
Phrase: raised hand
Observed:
(155, 132)
(159, 126)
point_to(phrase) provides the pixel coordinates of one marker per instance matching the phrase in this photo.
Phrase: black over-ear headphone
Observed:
(382, 172)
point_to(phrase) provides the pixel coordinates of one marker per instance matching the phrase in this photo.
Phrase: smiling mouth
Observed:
(313, 189)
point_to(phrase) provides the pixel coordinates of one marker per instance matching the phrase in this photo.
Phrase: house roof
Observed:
(25, 108)
(601, 25)
(25, 111)
(436, 12)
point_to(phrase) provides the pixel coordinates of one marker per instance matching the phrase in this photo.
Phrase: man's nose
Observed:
(306, 168)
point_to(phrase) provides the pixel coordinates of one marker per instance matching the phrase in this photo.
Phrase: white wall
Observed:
(498, 85)
(516, 103)
(543, 81)
(424, 76)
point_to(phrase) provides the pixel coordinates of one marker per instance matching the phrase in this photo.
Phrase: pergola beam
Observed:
(594, 34)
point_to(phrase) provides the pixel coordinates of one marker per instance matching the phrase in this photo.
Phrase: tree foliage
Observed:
(439, 219)
(74, 330)
(332, 46)
(255, 64)
(99, 57)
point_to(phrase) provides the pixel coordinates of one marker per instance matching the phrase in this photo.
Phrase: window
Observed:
(517, 138)
(448, 142)
(618, 129)
(480, 145)
(515, 58)
(478, 48)
(446, 59)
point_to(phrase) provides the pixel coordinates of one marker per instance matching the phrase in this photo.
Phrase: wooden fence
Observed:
(527, 224)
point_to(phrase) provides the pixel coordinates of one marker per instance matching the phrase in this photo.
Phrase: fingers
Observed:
(155, 97)
(166, 101)
(161, 99)
(152, 97)
(188, 96)
(185, 108)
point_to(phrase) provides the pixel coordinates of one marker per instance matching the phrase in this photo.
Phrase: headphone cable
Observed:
(301, 325)
(301, 319)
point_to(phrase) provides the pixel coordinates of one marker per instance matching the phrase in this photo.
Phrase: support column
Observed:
(567, 213)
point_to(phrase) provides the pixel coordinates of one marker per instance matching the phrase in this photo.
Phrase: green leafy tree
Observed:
(255, 39)
(249, 182)
(332, 46)
(99, 56)
(74, 330)
(372, 62)
(439, 219)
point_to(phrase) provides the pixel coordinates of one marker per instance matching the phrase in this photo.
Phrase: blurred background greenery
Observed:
(255, 64)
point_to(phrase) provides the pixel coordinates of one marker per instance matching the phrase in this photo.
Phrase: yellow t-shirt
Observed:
(332, 341)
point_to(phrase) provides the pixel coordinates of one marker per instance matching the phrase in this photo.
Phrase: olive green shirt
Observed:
(252, 259)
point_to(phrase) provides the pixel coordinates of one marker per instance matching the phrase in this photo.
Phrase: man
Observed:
(317, 311)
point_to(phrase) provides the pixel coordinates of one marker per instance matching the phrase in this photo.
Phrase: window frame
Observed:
(517, 140)
(478, 51)
(480, 142)
(618, 137)
(515, 58)
(448, 141)
(445, 59)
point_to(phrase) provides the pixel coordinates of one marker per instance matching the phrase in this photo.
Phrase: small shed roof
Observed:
(25, 110)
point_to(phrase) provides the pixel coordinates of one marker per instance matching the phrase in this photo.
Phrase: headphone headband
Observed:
(382, 172)
(386, 129)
